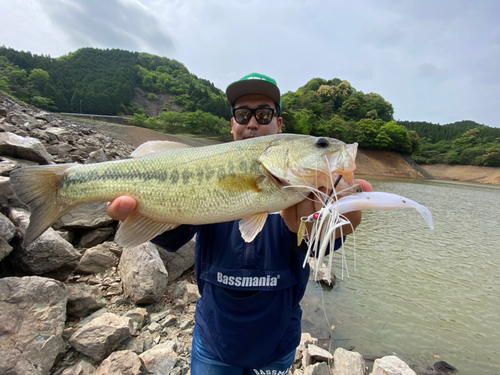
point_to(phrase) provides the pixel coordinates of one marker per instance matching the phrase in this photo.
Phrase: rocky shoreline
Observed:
(73, 302)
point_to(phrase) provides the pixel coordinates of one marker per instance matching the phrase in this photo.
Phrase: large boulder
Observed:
(391, 365)
(80, 302)
(98, 259)
(7, 196)
(102, 335)
(32, 316)
(348, 363)
(179, 261)
(161, 359)
(5, 248)
(143, 274)
(7, 229)
(124, 362)
(24, 148)
(49, 255)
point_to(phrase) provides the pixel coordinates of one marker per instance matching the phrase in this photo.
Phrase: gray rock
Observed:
(135, 344)
(348, 363)
(124, 362)
(161, 359)
(32, 316)
(81, 303)
(63, 150)
(19, 162)
(6, 127)
(23, 148)
(156, 317)
(60, 134)
(96, 236)
(97, 259)
(66, 234)
(97, 156)
(7, 196)
(391, 365)
(82, 367)
(49, 255)
(319, 354)
(177, 262)
(91, 317)
(143, 274)
(318, 369)
(191, 293)
(7, 229)
(20, 118)
(5, 248)
(7, 166)
(139, 316)
(88, 215)
(46, 116)
(101, 336)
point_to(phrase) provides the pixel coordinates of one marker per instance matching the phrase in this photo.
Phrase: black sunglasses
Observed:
(264, 116)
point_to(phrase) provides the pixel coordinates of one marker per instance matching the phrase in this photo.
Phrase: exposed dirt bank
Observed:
(466, 173)
(372, 163)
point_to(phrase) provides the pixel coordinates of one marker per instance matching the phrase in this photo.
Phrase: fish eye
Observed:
(322, 142)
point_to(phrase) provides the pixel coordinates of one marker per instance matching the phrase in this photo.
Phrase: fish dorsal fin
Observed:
(152, 147)
(250, 226)
(240, 183)
(137, 229)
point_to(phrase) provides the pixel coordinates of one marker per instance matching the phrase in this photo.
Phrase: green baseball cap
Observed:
(254, 83)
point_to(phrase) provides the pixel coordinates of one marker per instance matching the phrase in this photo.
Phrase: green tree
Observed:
(304, 121)
(39, 78)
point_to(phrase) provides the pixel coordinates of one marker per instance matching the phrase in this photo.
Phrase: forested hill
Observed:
(462, 142)
(99, 81)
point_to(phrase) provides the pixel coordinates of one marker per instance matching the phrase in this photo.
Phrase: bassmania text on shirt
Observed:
(247, 281)
(272, 372)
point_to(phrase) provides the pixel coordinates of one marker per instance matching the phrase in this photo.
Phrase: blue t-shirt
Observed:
(248, 314)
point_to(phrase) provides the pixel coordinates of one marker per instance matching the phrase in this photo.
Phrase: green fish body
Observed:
(238, 180)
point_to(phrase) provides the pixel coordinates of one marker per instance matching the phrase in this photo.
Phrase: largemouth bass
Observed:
(179, 185)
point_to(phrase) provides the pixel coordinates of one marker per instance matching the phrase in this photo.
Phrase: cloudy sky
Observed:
(434, 60)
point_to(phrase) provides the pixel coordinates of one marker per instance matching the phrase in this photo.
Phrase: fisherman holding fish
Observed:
(247, 320)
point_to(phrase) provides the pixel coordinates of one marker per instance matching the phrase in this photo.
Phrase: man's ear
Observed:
(232, 125)
(280, 125)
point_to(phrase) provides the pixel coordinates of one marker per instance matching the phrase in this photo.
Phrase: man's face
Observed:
(253, 128)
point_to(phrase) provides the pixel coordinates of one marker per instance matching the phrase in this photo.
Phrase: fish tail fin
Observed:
(37, 188)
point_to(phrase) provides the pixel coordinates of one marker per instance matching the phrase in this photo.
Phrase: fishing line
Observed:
(333, 189)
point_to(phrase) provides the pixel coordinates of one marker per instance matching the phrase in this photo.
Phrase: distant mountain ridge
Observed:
(104, 82)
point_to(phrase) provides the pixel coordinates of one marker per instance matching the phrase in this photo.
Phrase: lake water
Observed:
(423, 295)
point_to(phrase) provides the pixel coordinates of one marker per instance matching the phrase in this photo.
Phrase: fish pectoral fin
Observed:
(250, 226)
(137, 229)
(152, 147)
(240, 183)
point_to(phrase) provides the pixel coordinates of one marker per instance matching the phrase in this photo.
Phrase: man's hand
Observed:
(121, 207)
(292, 215)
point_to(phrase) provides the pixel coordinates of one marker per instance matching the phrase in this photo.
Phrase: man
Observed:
(241, 328)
